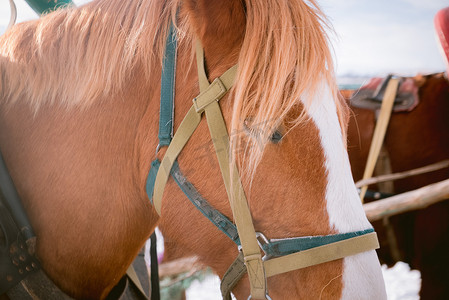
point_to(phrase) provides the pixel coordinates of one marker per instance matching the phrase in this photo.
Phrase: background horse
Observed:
(79, 104)
(413, 139)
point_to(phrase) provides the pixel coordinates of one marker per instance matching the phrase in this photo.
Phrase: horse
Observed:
(79, 107)
(413, 139)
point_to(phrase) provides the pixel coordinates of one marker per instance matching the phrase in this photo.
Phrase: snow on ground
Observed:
(401, 284)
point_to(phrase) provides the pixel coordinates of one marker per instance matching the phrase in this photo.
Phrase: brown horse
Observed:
(79, 116)
(413, 139)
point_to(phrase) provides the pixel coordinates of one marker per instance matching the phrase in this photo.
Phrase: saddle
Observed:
(441, 22)
(17, 240)
(370, 95)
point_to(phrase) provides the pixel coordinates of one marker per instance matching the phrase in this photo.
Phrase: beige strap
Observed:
(303, 259)
(183, 134)
(202, 76)
(239, 205)
(321, 254)
(232, 276)
(207, 100)
(216, 90)
(380, 130)
(186, 129)
(132, 275)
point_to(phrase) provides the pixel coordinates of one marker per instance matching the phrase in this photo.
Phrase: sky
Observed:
(371, 38)
(385, 36)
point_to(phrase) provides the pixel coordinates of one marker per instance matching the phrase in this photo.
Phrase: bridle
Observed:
(280, 255)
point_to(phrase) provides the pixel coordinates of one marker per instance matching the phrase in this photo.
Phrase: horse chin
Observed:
(324, 281)
(362, 278)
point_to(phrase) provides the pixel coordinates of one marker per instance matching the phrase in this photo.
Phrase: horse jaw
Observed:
(362, 276)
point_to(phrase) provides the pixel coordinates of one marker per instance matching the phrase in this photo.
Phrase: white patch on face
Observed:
(362, 275)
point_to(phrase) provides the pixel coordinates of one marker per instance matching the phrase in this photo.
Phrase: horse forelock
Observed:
(285, 55)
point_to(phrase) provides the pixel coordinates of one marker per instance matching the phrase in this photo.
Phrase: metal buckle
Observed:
(266, 297)
(263, 240)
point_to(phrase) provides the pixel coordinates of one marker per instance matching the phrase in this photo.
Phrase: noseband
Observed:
(280, 255)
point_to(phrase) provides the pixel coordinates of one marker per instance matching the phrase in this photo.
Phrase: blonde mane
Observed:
(110, 38)
(285, 53)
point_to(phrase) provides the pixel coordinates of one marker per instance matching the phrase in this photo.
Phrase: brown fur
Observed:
(80, 93)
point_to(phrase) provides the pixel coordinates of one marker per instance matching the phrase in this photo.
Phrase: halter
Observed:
(280, 255)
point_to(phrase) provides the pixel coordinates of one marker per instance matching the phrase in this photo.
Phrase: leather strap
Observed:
(299, 260)
(379, 131)
(16, 263)
(13, 203)
(281, 247)
(37, 286)
(216, 217)
(186, 129)
(183, 134)
(132, 275)
(202, 76)
(258, 270)
(207, 101)
(168, 78)
(239, 205)
(154, 276)
(321, 254)
(232, 276)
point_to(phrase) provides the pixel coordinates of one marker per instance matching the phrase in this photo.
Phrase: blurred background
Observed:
(370, 37)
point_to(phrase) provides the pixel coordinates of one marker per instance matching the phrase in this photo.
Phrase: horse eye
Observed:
(276, 137)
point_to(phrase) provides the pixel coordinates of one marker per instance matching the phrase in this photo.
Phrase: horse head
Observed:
(81, 89)
(287, 127)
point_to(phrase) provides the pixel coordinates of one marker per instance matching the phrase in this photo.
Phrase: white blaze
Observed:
(362, 275)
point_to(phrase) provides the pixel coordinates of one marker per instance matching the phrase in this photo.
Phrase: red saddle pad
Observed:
(442, 28)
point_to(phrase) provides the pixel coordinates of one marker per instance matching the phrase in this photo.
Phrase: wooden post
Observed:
(413, 200)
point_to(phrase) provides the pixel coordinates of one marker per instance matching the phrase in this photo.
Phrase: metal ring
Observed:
(158, 147)
(13, 17)
(262, 240)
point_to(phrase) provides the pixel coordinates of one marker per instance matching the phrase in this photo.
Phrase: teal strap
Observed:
(272, 248)
(216, 217)
(151, 178)
(45, 6)
(281, 247)
(166, 111)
